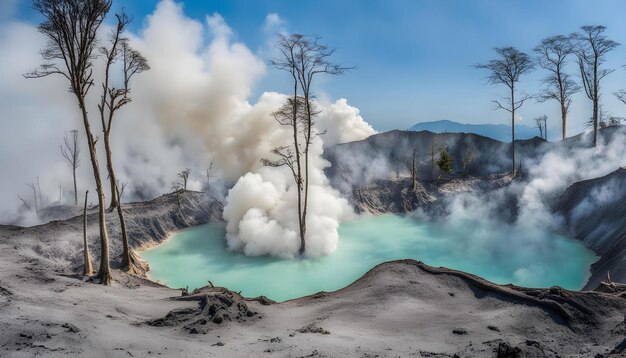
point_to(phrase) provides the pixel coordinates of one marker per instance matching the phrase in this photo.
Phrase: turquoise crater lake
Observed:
(502, 255)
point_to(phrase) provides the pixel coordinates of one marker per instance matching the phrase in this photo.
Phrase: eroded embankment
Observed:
(148, 223)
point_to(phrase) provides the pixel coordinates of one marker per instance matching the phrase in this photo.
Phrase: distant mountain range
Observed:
(501, 132)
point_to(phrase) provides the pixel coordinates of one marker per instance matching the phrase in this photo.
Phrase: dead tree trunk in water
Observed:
(88, 267)
(311, 60)
(303, 58)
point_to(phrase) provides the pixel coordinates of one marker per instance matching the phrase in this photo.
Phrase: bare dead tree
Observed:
(122, 187)
(71, 29)
(183, 178)
(87, 267)
(468, 159)
(433, 150)
(291, 114)
(396, 170)
(541, 123)
(511, 65)
(25, 203)
(621, 94)
(41, 202)
(552, 54)
(209, 175)
(411, 165)
(113, 98)
(71, 152)
(291, 156)
(591, 49)
(34, 189)
(304, 58)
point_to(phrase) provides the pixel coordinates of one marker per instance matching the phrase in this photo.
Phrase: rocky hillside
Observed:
(400, 308)
(398, 196)
(374, 176)
(594, 212)
(384, 155)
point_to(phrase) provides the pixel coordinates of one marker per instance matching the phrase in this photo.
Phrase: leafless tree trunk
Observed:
(592, 47)
(542, 125)
(411, 165)
(41, 202)
(181, 180)
(291, 114)
(507, 70)
(304, 58)
(113, 98)
(433, 150)
(88, 267)
(552, 55)
(621, 95)
(34, 189)
(25, 203)
(71, 152)
(129, 259)
(71, 28)
(467, 160)
(209, 176)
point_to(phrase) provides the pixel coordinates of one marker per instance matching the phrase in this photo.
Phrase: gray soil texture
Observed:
(397, 309)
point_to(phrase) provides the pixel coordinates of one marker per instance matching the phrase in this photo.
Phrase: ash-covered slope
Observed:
(384, 155)
(594, 212)
(398, 196)
(401, 308)
(381, 155)
(148, 223)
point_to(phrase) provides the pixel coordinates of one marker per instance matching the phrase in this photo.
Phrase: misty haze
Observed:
(312, 179)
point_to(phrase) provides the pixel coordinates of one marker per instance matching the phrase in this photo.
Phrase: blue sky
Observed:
(414, 58)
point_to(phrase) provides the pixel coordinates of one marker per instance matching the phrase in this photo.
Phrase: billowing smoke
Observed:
(262, 212)
(191, 109)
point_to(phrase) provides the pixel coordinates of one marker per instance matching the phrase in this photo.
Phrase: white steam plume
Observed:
(191, 108)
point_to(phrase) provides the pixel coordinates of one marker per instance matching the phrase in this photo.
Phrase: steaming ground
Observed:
(531, 202)
(397, 309)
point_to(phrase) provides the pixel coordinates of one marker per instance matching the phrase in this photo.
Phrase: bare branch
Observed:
(621, 95)
(25, 203)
